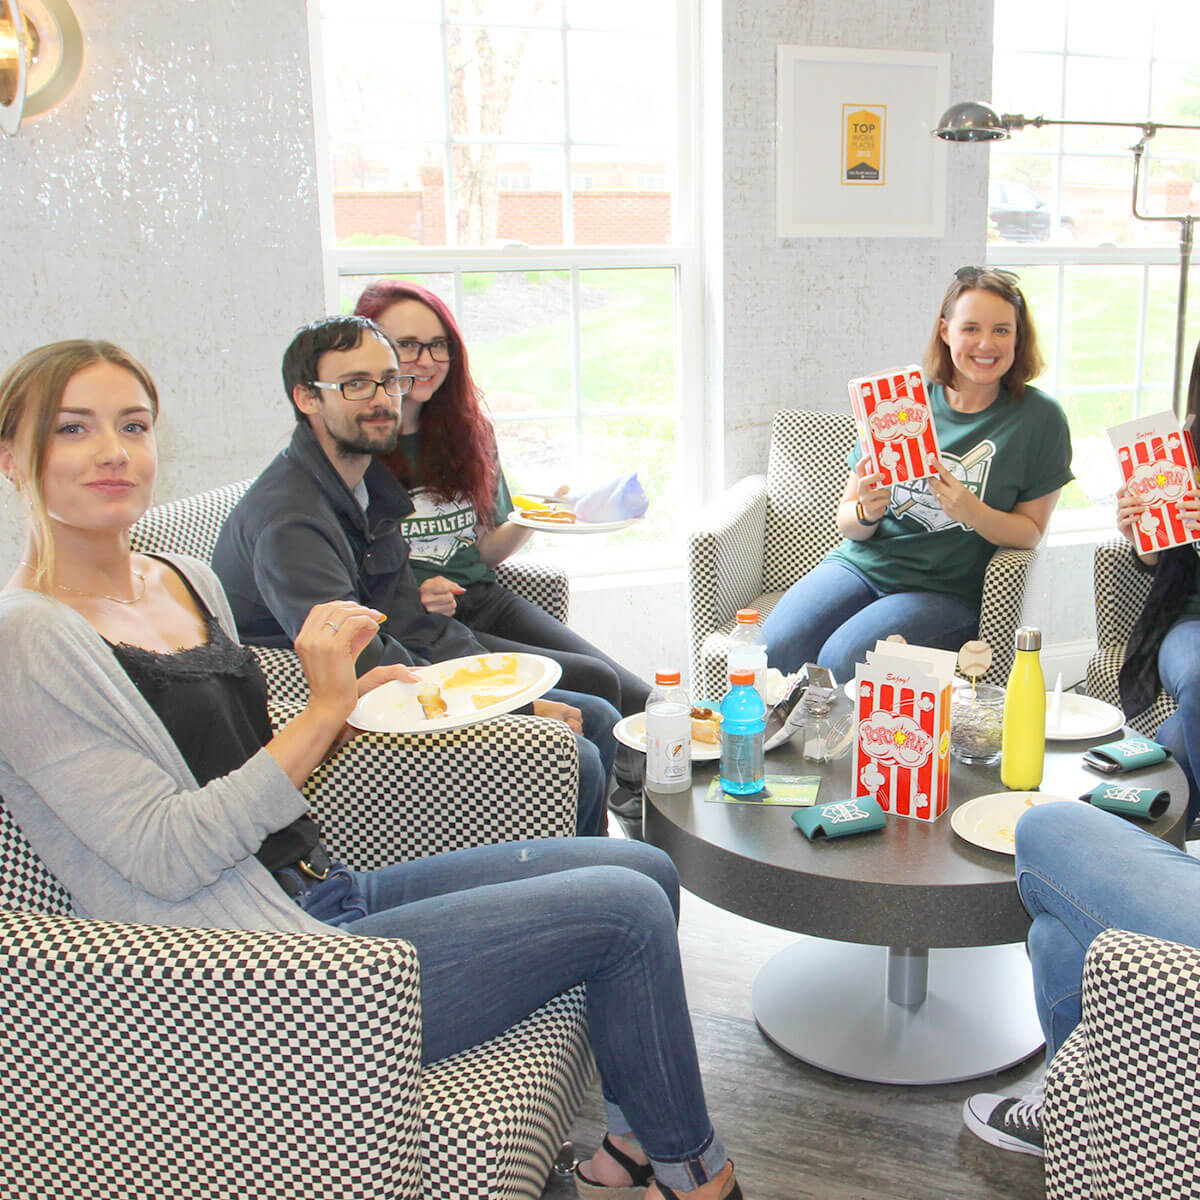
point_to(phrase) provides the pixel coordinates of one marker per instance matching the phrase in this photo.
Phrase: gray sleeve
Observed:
(96, 758)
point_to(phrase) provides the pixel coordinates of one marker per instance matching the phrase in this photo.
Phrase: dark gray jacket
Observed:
(299, 537)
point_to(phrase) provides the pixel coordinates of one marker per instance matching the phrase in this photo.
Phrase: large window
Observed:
(1102, 285)
(530, 161)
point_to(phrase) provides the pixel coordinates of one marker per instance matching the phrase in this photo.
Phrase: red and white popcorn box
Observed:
(902, 742)
(895, 424)
(1158, 465)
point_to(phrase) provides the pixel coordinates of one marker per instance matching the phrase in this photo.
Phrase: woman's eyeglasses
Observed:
(410, 349)
(358, 390)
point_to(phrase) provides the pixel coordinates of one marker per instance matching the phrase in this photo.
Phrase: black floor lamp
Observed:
(974, 121)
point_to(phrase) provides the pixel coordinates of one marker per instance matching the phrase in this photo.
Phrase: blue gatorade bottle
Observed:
(743, 720)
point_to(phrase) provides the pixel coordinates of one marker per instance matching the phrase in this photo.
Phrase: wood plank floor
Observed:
(797, 1132)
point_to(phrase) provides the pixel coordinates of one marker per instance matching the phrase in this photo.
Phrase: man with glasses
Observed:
(323, 522)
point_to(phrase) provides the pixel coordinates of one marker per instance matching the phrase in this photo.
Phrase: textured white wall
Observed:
(170, 205)
(802, 316)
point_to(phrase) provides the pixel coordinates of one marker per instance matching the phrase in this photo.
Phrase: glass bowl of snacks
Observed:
(976, 722)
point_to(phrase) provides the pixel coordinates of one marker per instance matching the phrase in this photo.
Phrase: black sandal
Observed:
(640, 1173)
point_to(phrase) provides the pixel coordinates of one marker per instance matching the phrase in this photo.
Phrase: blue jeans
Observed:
(597, 748)
(501, 929)
(1179, 670)
(833, 616)
(1081, 871)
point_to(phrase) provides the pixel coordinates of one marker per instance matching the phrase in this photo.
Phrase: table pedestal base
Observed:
(828, 1004)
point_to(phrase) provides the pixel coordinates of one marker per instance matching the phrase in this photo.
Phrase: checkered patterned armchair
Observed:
(178, 1062)
(1121, 591)
(1122, 1092)
(765, 533)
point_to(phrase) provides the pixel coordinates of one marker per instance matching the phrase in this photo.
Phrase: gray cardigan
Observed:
(106, 799)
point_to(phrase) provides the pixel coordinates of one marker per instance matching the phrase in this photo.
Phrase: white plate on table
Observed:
(991, 821)
(631, 731)
(394, 707)
(1081, 717)
(517, 518)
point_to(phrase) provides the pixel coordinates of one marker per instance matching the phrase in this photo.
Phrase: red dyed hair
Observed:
(457, 456)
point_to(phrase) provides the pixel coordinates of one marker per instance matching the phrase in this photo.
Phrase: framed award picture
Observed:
(856, 156)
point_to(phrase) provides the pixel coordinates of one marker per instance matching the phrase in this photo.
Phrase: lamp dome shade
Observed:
(971, 121)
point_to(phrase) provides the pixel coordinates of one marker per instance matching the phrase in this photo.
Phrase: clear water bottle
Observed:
(743, 720)
(748, 648)
(668, 735)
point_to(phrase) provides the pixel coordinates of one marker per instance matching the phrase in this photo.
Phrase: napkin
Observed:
(617, 500)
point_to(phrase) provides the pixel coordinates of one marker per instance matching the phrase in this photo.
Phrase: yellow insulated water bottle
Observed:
(1023, 742)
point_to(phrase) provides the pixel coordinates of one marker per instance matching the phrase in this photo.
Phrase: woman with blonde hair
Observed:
(136, 755)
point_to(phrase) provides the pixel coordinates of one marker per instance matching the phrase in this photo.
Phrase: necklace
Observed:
(62, 587)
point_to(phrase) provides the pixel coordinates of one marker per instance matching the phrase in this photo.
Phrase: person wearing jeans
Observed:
(138, 758)
(1164, 647)
(1081, 871)
(914, 554)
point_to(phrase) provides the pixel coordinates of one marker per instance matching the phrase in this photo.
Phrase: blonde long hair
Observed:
(30, 396)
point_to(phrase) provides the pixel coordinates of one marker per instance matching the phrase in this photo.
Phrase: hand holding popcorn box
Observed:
(902, 715)
(1158, 465)
(895, 424)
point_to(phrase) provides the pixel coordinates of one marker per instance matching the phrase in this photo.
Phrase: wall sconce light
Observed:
(41, 53)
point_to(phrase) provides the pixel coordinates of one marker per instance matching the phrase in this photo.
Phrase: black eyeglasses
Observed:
(973, 274)
(358, 390)
(410, 349)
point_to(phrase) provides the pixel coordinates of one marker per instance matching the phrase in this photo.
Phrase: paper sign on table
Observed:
(902, 743)
(895, 424)
(1158, 465)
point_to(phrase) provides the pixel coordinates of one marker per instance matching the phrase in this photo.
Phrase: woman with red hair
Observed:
(447, 460)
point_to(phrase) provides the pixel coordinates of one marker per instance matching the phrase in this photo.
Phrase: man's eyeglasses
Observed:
(358, 390)
(410, 349)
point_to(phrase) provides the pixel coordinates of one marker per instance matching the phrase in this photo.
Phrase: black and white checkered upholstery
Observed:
(1121, 591)
(763, 535)
(1122, 1093)
(158, 1061)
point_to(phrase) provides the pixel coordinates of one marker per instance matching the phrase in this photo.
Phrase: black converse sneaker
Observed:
(1007, 1121)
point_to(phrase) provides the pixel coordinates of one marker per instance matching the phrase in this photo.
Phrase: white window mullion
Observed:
(448, 206)
(577, 367)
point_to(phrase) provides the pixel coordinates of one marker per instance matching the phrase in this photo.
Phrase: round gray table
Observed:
(915, 971)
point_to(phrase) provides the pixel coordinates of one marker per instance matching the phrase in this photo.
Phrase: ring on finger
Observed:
(332, 626)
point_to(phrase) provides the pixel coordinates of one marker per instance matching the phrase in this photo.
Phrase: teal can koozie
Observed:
(743, 722)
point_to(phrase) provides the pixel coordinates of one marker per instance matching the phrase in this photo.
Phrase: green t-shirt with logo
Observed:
(444, 534)
(1012, 451)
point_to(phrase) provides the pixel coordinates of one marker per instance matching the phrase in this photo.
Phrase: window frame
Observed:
(683, 255)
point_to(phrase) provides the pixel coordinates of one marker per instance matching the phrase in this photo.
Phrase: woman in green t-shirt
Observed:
(914, 555)
(447, 459)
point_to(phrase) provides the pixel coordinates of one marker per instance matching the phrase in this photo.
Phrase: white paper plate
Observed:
(1081, 717)
(575, 527)
(394, 708)
(631, 731)
(991, 821)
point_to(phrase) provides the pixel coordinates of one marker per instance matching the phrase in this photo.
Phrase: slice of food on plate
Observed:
(706, 726)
